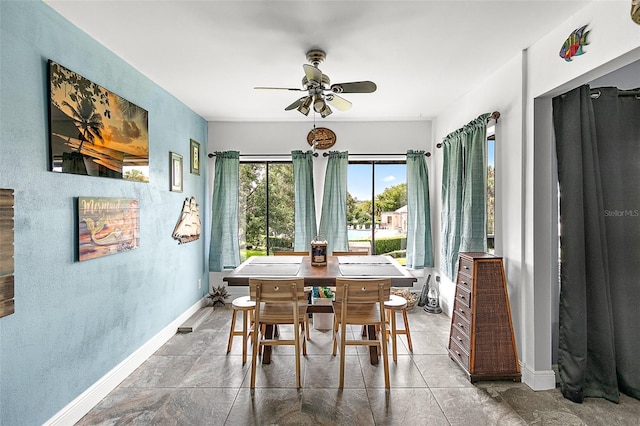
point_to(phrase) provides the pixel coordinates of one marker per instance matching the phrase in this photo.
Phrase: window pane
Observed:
(379, 224)
(280, 207)
(252, 209)
(491, 193)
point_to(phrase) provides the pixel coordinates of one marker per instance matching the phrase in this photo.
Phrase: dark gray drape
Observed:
(598, 152)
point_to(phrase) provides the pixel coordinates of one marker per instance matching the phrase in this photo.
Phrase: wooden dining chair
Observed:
(308, 290)
(278, 302)
(361, 302)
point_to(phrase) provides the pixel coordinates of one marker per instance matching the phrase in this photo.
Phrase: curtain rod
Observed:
(494, 116)
(326, 154)
(315, 154)
(596, 93)
(211, 155)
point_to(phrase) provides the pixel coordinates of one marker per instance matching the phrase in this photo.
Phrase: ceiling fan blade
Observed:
(312, 73)
(296, 104)
(340, 103)
(354, 87)
(279, 88)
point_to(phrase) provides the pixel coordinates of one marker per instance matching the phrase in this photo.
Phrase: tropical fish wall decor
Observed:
(573, 44)
(635, 11)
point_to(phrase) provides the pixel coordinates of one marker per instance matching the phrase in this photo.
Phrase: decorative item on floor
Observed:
(188, 227)
(6, 254)
(423, 293)
(635, 11)
(107, 226)
(433, 299)
(573, 44)
(93, 131)
(412, 298)
(217, 295)
(175, 172)
(319, 251)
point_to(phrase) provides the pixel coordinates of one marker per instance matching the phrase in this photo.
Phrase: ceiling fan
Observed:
(320, 91)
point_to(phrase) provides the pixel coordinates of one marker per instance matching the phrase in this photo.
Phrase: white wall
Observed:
(526, 204)
(392, 137)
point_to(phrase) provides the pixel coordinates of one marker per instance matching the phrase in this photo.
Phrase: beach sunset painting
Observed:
(93, 131)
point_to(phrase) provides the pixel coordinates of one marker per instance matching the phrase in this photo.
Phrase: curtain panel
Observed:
(419, 244)
(333, 220)
(224, 250)
(464, 192)
(598, 155)
(304, 200)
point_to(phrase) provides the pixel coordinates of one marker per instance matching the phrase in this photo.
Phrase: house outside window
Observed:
(377, 207)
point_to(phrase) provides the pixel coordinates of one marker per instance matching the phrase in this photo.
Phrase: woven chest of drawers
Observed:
(481, 340)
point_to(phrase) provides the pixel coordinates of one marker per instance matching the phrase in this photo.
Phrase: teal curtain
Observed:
(224, 250)
(333, 220)
(419, 245)
(304, 200)
(464, 192)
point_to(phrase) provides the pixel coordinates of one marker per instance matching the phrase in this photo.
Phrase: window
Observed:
(266, 210)
(377, 207)
(491, 188)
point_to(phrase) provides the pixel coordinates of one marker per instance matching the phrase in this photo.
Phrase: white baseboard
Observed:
(538, 380)
(80, 406)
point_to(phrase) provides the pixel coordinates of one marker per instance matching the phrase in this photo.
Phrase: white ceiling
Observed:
(423, 55)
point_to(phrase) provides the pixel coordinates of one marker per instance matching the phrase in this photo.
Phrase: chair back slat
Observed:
(281, 290)
(362, 290)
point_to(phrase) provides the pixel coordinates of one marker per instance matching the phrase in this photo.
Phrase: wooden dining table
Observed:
(366, 266)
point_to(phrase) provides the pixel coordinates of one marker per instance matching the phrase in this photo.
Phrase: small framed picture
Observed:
(175, 165)
(195, 157)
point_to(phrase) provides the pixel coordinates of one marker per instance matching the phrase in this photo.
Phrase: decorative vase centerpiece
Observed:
(319, 251)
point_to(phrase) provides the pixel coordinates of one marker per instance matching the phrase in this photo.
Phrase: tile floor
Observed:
(192, 381)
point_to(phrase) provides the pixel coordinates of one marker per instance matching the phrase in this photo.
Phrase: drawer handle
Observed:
(459, 354)
(459, 338)
(465, 266)
(460, 325)
(461, 311)
(461, 296)
(463, 283)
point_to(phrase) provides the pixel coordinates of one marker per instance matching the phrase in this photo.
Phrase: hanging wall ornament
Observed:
(188, 227)
(572, 46)
(635, 11)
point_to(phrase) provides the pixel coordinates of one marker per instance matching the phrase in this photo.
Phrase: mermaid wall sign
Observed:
(107, 226)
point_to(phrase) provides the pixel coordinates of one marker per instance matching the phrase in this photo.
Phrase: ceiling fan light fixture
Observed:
(318, 103)
(305, 106)
(325, 111)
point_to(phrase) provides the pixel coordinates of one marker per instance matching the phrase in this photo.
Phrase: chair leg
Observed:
(343, 332)
(385, 356)
(394, 343)
(254, 358)
(335, 336)
(231, 332)
(406, 328)
(306, 327)
(297, 342)
(245, 324)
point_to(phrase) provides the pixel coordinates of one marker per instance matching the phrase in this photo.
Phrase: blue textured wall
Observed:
(74, 321)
